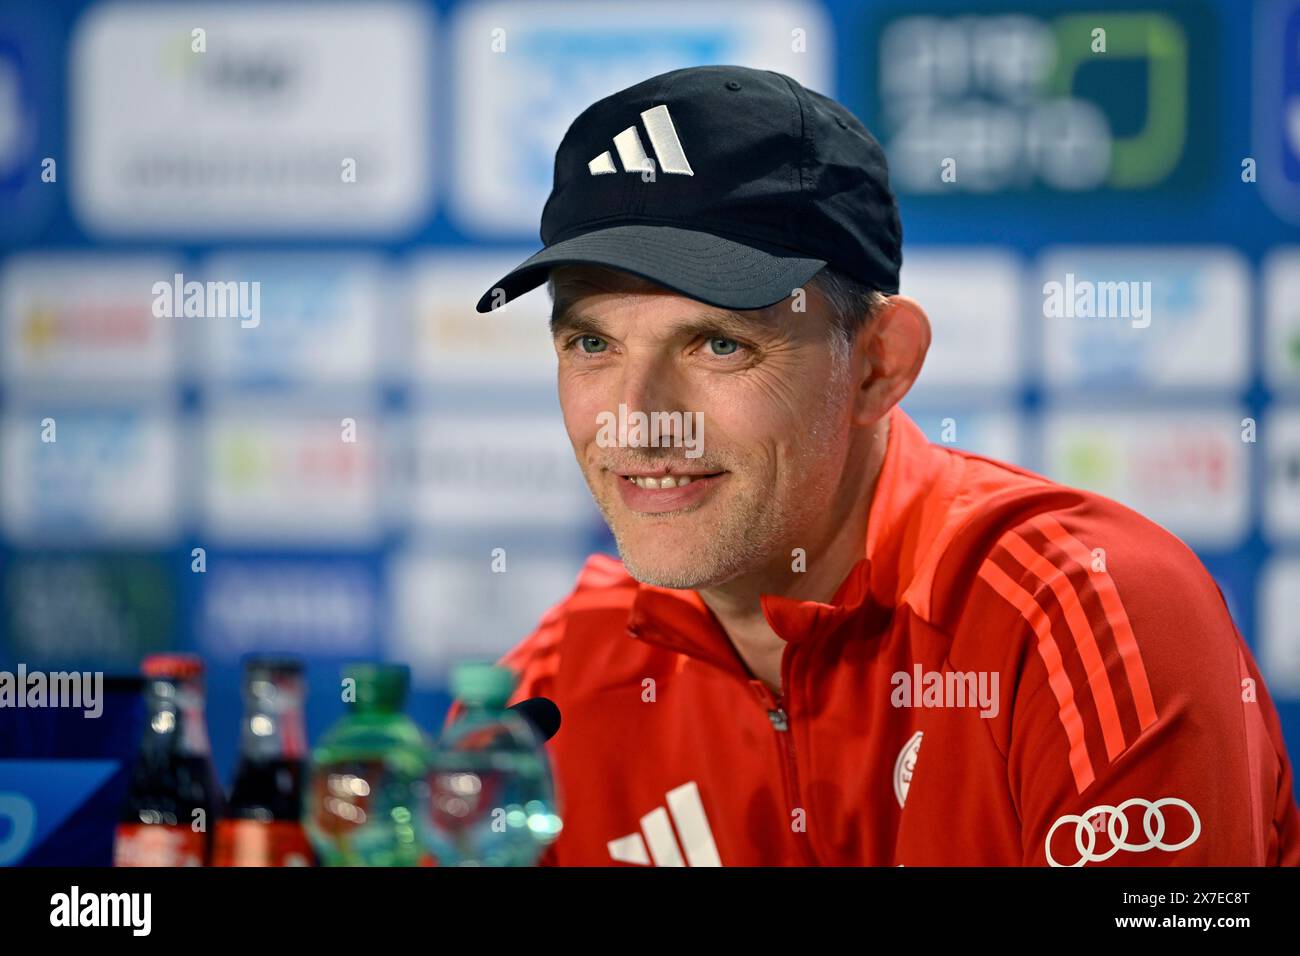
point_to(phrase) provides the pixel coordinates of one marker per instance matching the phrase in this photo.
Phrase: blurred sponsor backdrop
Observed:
(376, 165)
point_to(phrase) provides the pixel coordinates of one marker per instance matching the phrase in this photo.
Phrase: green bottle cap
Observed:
(379, 686)
(483, 683)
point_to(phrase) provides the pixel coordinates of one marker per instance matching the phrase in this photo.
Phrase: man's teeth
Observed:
(667, 481)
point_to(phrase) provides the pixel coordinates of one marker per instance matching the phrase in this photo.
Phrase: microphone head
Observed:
(542, 713)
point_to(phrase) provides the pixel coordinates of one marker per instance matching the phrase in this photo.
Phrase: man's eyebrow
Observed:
(727, 322)
(568, 322)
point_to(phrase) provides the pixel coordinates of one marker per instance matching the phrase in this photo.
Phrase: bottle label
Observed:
(158, 844)
(254, 843)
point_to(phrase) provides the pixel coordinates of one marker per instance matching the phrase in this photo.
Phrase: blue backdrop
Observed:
(333, 476)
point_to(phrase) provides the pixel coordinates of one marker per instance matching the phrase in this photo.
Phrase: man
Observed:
(830, 641)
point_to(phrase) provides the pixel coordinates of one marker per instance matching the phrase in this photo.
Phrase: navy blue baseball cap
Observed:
(726, 184)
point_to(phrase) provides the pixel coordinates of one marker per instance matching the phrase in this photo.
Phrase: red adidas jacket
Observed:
(1128, 724)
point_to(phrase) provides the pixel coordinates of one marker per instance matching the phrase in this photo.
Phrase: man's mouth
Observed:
(665, 489)
(665, 480)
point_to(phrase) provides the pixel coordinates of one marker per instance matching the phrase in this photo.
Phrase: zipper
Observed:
(780, 720)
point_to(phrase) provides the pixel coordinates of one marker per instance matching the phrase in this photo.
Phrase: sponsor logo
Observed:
(663, 139)
(999, 102)
(904, 766)
(1114, 822)
(428, 591)
(1282, 491)
(29, 66)
(696, 846)
(1280, 284)
(236, 129)
(1183, 469)
(322, 322)
(1135, 317)
(1279, 624)
(111, 609)
(994, 432)
(15, 117)
(978, 293)
(518, 89)
(300, 475)
(19, 812)
(83, 320)
(1276, 98)
(319, 608)
(44, 804)
(454, 345)
(89, 476)
(469, 471)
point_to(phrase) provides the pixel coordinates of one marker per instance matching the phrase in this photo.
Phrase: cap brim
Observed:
(699, 265)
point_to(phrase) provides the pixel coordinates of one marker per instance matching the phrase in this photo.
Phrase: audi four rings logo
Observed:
(1119, 841)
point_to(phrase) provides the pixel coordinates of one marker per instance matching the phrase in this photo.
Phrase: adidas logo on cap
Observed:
(663, 139)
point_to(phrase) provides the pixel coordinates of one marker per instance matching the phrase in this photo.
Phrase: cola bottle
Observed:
(261, 825)
(174, 798)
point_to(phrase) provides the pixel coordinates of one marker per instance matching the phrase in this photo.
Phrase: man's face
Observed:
(774, 407)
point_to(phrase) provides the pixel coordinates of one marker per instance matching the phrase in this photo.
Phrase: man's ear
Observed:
(891, 349)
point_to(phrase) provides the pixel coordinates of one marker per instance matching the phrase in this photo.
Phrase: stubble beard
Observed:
(752, 530)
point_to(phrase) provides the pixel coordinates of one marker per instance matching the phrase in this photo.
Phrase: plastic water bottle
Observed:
(367, 777)
(491, 798)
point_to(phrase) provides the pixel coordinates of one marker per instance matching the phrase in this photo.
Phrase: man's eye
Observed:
(721, 346)
(591, 343)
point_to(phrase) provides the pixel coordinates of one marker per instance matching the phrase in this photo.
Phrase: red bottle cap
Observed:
(178, 666)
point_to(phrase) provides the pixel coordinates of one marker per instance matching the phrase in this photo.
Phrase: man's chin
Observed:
(674, 571)
(680, 579)
(674, 550)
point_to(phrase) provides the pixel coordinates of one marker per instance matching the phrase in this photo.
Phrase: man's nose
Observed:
(650, 384)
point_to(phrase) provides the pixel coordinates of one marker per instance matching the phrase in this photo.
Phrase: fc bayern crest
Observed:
(904, 766)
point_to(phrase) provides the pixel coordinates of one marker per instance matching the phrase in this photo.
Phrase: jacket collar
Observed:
(899, 529)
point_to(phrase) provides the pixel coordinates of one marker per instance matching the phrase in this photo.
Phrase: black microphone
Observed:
(542, 713)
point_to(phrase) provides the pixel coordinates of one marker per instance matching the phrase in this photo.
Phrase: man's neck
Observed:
(838, 546)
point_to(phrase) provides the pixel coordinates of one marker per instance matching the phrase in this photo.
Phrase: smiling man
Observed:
(829, 641)
(790, 447)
